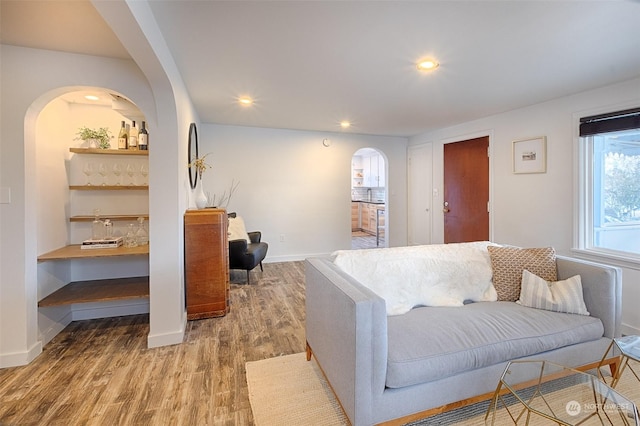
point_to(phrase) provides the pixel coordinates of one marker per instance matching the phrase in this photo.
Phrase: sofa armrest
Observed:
(346, 329)
(602, 289)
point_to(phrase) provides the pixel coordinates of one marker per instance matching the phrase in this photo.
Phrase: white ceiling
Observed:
(309, 65)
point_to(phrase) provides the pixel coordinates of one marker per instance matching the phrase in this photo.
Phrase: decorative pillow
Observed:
(237, 230)
(509, 262)
(559, 296)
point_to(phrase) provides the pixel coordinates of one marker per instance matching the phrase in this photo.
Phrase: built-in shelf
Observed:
(75, 252)
(98, 291)
(108, 187)
(108, 151)
(113, 217)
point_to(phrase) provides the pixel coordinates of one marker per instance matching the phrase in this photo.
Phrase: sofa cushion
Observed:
(432, 343)
(509, 262)
(559, 296)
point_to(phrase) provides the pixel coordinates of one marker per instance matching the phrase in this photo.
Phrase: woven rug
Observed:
(288, 390)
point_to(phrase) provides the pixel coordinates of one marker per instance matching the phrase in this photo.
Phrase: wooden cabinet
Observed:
(206, 258)
(371, 218)
(364, 217)
(355, 216)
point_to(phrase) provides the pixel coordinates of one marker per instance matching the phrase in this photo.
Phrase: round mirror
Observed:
(193, 154)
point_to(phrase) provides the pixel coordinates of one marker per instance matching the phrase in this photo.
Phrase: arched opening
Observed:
(73, 180)
(368, 199)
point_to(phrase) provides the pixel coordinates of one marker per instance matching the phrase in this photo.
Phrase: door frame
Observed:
(437, 234)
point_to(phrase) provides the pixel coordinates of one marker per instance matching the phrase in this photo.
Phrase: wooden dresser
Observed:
(206, 263)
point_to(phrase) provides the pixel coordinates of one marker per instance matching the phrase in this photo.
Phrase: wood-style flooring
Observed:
(100, 372)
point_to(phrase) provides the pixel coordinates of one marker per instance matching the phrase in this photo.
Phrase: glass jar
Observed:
(130, 239)
(108, 229)
(142, 236)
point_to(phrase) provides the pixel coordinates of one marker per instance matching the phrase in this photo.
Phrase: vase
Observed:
(200, 197)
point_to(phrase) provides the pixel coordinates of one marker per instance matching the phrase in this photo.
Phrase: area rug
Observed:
(289, 390)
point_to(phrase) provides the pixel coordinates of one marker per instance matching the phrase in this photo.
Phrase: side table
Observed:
(558, 395)
(629, 347)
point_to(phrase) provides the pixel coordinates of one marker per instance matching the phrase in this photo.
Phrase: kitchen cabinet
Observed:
(374, 171)
(206, 259)
(355, 216)
(364, 217)
(372, 218)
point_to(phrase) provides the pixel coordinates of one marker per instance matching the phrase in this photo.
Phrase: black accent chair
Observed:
(247, 256)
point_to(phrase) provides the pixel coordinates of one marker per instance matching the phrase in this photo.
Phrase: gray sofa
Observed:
(402, 368)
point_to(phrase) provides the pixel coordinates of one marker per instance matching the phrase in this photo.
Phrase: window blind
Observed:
(610, 122)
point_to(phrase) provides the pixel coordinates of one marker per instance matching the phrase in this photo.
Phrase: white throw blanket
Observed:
(430, 275)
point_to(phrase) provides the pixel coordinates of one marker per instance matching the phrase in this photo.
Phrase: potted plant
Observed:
(99, 138)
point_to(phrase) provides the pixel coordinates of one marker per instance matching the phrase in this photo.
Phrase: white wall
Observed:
(538, 209)
(293, 186)
(31, 78)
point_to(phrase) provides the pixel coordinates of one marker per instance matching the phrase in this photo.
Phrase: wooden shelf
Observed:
(108, 151)
(75, 252)
(98, 291)
(108, 187)
(112, 218)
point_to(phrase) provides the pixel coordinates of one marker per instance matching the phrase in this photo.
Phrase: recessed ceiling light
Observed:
(245, 101)
(427, 64)
(345, 124)
(92, 98)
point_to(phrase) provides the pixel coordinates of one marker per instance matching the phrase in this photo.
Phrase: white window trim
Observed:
(583, 201)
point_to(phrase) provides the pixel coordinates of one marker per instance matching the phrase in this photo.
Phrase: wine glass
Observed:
(103, 171)
(144, 171)
(117, 171)
(88, 169)
(131, 171)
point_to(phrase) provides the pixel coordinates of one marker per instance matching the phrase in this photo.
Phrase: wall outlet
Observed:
(282, 238)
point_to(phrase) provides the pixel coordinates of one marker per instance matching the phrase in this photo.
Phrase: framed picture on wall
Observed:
(530, 155)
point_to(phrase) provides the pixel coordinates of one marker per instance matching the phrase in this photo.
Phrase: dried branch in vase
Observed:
(223, 203)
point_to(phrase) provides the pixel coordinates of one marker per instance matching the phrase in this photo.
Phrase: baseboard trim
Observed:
(18, 359)
(79, 312)
(56, 327)
(167, 339)
(628, 330)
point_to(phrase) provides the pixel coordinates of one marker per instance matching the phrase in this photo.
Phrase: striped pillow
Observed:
(559, 296)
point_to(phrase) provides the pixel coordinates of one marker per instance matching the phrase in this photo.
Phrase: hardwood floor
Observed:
(100, 372)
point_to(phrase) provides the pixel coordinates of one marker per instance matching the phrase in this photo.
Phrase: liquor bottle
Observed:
(123, 138)
(143, 138)
(133, 137)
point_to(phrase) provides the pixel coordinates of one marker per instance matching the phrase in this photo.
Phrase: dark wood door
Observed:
(466, 191)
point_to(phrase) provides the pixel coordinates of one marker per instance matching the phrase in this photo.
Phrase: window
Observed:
(610, 212)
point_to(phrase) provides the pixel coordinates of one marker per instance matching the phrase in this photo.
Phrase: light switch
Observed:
(5, 195)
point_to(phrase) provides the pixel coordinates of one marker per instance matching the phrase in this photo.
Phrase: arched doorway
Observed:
(368, 199)
(73, 179)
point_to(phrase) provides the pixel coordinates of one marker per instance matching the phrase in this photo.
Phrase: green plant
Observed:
(102, 135)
